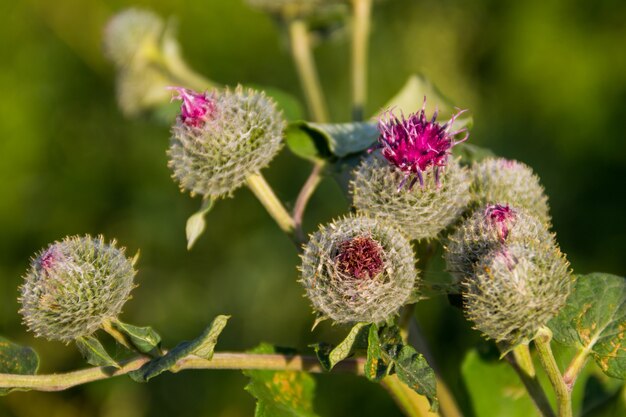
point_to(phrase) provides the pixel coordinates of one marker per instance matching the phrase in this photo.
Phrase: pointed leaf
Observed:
(196, 223)
(471, 153)
(281, 393)
(202, 346)
(342, 139)
(594, 319)
(16, 359)
(145, 339)
(375, 367)
(410, 99)
(412, 369)
(329, 356)
(93, 352)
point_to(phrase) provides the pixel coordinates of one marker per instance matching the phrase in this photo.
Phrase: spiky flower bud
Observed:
(73, 286)
(485, 230)
(221, 138)
(509, 182)
(132, 35)
(420, 213)
(516, 290)
(358, 269)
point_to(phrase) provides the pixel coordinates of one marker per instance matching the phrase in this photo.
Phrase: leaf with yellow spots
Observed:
(281, 393)
(594, 321)
(16, 359)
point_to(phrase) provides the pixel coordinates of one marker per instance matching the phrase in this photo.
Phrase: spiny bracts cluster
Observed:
(73, 286)
(512, 275)
(358, 269)
(509, 182)
(221, 138)
(420, 213)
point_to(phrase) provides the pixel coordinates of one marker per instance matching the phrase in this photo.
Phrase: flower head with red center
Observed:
(196, 108)
(501, 217)
(360, 257)
(415, 144)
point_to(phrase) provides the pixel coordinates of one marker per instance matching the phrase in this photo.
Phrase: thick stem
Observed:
(305, 66)
(533, 387)
(305, 194)
(264, 193)
(574, 368)
(410, 402)
(360, 36)
(563, 395)
(222, 360)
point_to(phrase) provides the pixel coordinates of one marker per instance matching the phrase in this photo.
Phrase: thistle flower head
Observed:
(221, 138)
(358, 269)
(416, 144)
(421, 213)
(132, 36)
(486, 229)
(196, 108)
(360, 257)
(73, 286)
(510, 182)
(516, 290)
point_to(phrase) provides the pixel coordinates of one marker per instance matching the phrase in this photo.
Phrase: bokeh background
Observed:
(545, 81)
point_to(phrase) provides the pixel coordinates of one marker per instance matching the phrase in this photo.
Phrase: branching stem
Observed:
(264, 193)
(304, 196)
(222, 360)
(533, 387)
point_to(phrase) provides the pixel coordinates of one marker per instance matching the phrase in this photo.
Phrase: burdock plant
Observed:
(413, 182)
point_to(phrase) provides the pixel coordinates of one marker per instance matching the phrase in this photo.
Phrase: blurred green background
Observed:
(545, 81)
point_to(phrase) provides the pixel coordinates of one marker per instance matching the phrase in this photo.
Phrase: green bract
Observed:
(418, 212)
(508, 182)
(517, 289)
(339, 293)
(73, 286)
(241, 137)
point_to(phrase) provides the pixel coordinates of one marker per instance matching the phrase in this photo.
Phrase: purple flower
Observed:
(415, 144)
(501, 217)
(360, 257)
(196, 108)
(48, 259)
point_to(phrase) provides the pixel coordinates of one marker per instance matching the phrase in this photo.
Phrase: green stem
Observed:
(410, 402)
(573, 370)
(524, 360)
(222, 360)
(563, 395)
(119, 337)
(305, 66)
(305, 194)
(533, 387)
(360, 36)
(264, 193)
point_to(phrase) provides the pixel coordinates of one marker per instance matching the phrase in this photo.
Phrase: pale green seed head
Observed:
(73, 286)
(479, 234)
(508, 182)
(358, 269)
(418, 212)
(240, 137)
(517, 289)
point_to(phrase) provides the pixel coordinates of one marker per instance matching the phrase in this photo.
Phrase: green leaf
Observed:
(341, 139)
(412, 369)
(594, 320)
(94, 353)
(145, 339)
(494, 388)
(471, 153)
(386, 354)
(281, 393)
(291, 107)
(410, 99)
(330, 356)
(196, 223)
(16, 359)
(202, 346)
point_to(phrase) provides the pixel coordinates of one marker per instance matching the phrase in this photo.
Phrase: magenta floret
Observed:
(196, 108)
(500, 216)
(415, 144)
